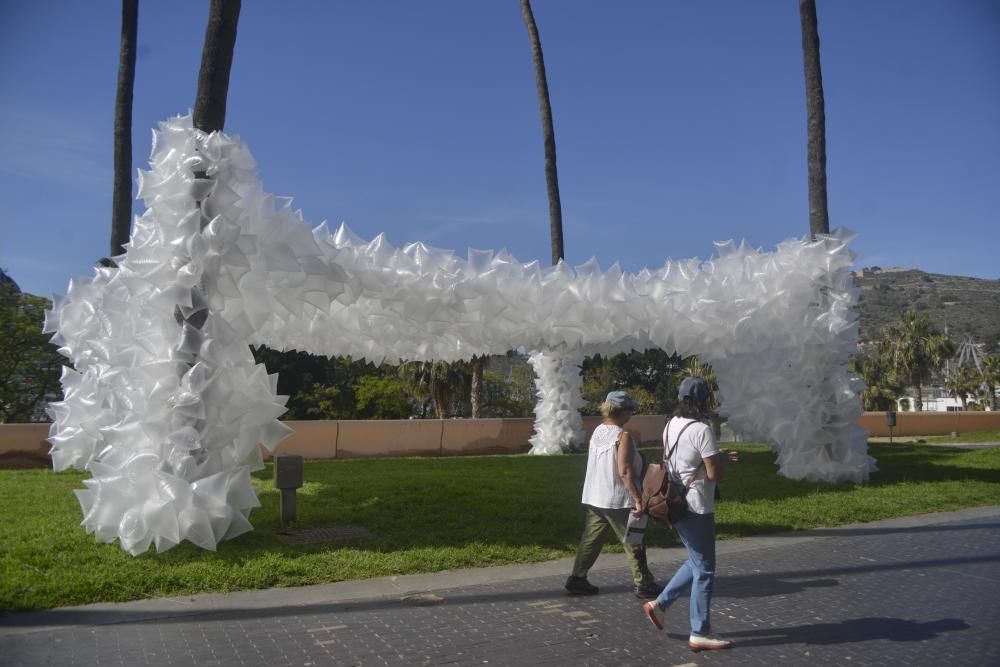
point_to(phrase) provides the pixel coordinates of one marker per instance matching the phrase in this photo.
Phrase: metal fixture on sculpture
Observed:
(168, 416)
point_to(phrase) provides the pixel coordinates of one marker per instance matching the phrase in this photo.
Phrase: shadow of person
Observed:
(854, 630)
(759, 585)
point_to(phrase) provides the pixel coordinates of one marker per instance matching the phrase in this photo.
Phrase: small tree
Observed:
(327, 402)
(882, 387)
(991, 378)
(29, 364)
(441, 382)
(381, 397)
(963, 381)
(512, 396)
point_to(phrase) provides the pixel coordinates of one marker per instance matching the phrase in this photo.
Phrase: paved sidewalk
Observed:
(915, 591)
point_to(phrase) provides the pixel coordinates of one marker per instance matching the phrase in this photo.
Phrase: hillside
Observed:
(966, 306)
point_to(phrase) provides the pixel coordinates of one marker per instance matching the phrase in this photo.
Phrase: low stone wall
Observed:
(22, 445)
(930, 423)
(431, 437)
(355, 439)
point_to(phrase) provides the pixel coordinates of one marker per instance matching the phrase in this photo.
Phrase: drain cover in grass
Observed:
(322, 534)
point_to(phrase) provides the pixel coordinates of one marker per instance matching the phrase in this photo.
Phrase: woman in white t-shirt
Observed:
(699, 463)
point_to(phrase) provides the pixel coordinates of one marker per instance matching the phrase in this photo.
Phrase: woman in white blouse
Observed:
(610, 493)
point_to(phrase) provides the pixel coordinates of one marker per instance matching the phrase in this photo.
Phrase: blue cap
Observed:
(695, 389)
(621, 400)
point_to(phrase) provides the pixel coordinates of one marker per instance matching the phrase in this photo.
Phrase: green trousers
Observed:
(598, 525)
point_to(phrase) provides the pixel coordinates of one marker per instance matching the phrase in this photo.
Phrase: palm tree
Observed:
(962, 381)
(435, 380)
(216, 63)
(819, 216)
(548, 134)
(694, 366)
(881, 386)
(210, 104)
(121, 203)
(476, 397)
(991, 378)
(913, 350)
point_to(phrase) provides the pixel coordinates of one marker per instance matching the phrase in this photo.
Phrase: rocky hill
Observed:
(967, 307)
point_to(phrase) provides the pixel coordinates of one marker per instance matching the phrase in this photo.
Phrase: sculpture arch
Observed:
(168, 416)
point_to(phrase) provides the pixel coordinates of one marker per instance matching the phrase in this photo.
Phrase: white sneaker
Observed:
(653, 613)
(708, 643)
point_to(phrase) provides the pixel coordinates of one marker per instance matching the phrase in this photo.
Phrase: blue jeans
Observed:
(697, 574)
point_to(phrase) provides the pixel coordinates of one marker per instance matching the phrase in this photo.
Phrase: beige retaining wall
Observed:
(931, 423)
(22, 443)
(354, 439)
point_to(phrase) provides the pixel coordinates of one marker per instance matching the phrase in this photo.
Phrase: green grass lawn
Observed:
(434, 514)
(979, 436)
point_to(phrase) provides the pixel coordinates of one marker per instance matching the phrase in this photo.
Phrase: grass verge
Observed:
(978, 436)
(433, 514)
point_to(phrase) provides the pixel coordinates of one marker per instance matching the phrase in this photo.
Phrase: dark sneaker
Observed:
(648, 591)
(580, 586)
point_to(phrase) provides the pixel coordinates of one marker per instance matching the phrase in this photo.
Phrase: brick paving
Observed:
(919, 591)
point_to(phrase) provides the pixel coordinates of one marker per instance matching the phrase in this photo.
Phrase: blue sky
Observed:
(677, 124)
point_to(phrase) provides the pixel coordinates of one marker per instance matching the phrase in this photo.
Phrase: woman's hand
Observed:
(637, 507)
(731, 455)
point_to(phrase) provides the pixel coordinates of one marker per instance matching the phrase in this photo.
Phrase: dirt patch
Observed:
(24, 460)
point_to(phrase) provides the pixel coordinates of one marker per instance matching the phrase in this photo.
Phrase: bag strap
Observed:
(666, 459)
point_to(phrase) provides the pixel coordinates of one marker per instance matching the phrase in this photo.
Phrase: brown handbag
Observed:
(664, 498)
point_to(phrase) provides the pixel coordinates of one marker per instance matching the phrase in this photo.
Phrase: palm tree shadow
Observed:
(850, 631)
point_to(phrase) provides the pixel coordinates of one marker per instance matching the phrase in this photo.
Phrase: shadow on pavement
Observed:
(747, 586)
(734, 527)
(766, 585)
(854, 630)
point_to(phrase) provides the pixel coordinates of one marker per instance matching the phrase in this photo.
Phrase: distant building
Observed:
(936, 399)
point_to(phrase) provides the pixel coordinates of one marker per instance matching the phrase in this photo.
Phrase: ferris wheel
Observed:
(968, 353)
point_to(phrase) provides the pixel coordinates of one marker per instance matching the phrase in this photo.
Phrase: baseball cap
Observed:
(695, 389)
(621, 399)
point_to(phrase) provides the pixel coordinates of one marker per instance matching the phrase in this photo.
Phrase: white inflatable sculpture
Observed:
(166, 406)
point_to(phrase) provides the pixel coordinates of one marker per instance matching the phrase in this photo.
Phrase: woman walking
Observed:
(699, 463)
(610, 493)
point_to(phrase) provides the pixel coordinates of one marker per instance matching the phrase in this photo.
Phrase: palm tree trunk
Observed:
(819, 217)
(121, 203)
(476, 398)
(440, 398)
(918, 396)
(548, 134)
(216, 63)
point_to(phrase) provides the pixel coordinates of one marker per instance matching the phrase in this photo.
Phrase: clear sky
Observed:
(677, 124)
